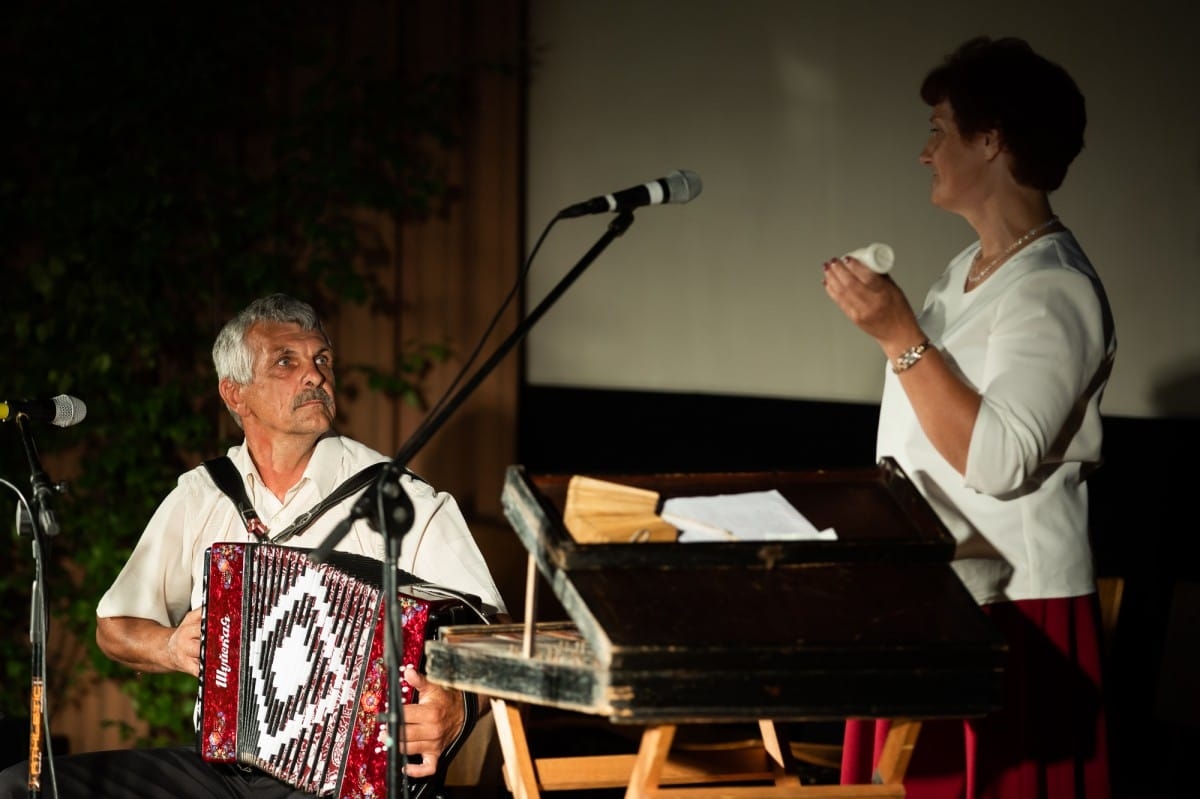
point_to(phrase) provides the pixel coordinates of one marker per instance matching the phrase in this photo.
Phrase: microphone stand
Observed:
(393, 505)
(43, 524)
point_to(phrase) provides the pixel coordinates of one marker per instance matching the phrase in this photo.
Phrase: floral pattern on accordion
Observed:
(219, 660)
(366, 763)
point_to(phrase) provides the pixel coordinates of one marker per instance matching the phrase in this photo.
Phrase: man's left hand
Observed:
(431, 725)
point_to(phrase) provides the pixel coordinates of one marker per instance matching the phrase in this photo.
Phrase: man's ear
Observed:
(231, 394)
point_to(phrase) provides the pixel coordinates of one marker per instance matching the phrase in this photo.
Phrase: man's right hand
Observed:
(148, 646)
(183, 647)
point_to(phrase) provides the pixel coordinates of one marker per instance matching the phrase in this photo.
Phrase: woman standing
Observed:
(991, 405)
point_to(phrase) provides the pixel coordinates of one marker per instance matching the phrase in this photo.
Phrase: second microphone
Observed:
(679, 186)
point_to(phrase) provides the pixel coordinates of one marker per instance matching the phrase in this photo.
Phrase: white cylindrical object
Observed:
(877, 257)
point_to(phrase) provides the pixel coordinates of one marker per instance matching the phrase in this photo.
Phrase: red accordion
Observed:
(292, 668)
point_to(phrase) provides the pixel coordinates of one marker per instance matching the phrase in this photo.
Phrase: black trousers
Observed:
(176, 773)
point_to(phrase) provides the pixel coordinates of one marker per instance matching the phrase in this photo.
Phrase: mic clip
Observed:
(43, 492)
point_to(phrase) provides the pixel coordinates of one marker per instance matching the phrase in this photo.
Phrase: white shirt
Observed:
(1036, 341)
(163, 577)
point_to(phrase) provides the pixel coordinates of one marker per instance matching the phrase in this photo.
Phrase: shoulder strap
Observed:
(352, 484)
(226, 476)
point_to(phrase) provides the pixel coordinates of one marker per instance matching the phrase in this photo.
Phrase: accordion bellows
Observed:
(292, 673)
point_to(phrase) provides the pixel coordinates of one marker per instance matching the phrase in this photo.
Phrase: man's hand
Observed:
(148, 646)
(431, 725)
(183, 647)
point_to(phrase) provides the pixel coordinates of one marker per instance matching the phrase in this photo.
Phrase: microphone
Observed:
(63, 410)
(679, 186)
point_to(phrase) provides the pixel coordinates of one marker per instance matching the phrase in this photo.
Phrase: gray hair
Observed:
(233, 357)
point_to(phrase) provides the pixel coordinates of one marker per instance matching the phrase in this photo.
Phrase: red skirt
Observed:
(1048, 741)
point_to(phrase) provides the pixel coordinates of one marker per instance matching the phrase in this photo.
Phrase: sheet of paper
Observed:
(749, 516)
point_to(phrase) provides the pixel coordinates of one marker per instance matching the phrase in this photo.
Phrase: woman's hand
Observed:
(874, 303)
(944, 404)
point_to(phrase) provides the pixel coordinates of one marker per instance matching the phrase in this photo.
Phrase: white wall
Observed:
(803, 120)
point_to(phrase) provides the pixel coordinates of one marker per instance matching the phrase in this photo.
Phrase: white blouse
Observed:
(1036, 341)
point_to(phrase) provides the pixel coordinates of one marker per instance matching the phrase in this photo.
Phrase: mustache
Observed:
(311, 394)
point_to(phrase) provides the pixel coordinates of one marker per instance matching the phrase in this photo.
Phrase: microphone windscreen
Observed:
(68, 411)
(683, 185)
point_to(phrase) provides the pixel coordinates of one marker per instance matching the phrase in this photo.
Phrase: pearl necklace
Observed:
(976, 279)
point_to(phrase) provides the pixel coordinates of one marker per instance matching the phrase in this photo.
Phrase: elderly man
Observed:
(274, 364)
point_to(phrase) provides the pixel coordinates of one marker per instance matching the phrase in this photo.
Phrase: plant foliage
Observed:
(162, 167)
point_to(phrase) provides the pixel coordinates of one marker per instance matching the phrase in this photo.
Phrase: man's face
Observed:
(292, 389)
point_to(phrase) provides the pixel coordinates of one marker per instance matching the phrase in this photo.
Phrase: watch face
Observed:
(910, 356)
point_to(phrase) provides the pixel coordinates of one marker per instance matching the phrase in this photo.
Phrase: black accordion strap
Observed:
(353, 484)
(226, 476)
(470, 719)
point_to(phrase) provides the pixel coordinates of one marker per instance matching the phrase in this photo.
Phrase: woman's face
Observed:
(959, 165)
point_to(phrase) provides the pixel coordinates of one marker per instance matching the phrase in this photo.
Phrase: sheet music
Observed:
(749, 516)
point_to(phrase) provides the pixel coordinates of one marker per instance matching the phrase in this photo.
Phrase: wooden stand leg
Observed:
(652, 774)
(897, 751)
(519, 771)
(782, 762)
(652, 755)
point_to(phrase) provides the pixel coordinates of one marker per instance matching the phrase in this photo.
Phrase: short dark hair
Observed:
(1003, 84)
